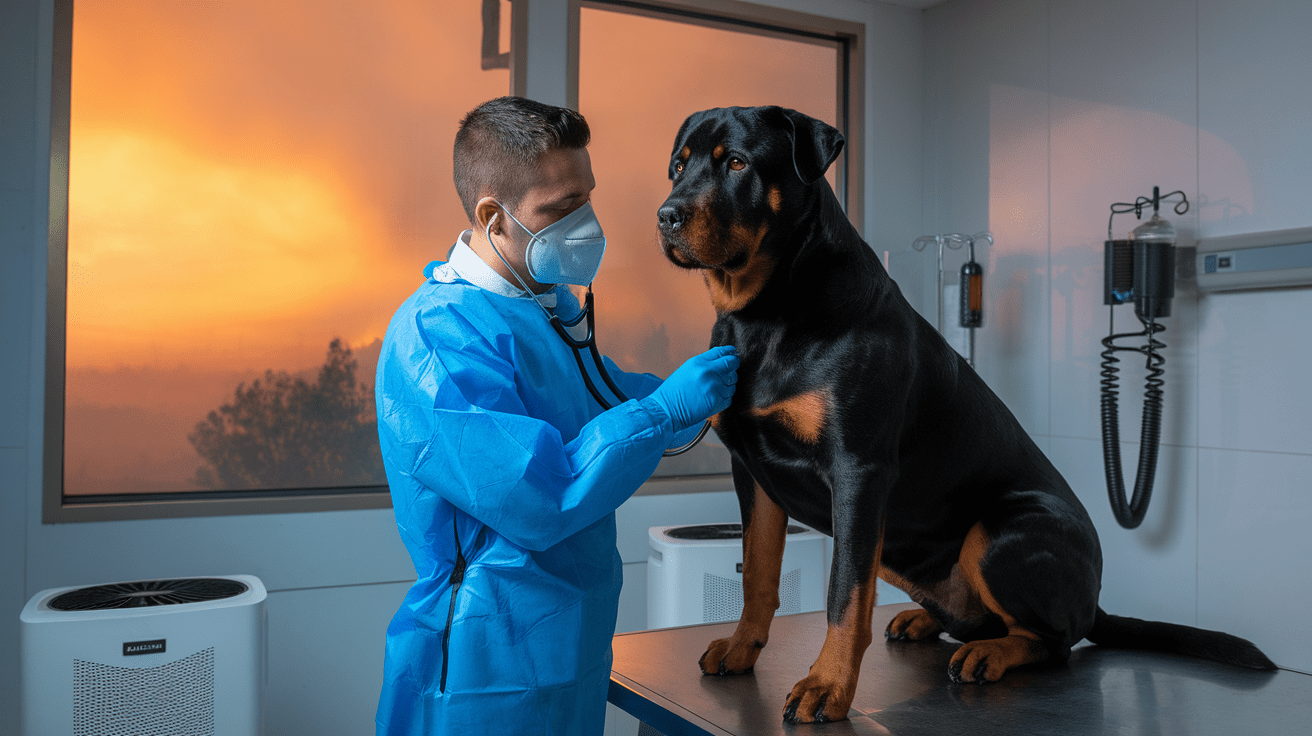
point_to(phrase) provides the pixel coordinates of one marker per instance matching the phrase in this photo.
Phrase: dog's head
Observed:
(741, 173)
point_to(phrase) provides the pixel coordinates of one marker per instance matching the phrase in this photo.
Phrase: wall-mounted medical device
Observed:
(1138, 270)
(1279, 258)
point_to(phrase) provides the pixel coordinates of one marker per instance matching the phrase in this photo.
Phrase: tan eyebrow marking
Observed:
(718, 151)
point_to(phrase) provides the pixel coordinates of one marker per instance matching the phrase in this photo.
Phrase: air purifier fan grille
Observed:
(147, 593)
(174, 699)
(722, 598)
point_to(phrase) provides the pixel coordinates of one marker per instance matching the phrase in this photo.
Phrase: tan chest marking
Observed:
(803, 415)
(732, 290)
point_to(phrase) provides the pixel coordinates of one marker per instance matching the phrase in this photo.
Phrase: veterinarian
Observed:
(504, 471)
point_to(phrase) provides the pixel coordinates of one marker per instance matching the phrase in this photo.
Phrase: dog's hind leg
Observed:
(764, 528)
(1040, 576)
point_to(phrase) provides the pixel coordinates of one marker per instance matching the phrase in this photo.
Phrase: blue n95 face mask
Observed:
(568, 251)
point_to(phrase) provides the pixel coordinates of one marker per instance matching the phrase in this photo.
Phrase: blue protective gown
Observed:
(489, 436)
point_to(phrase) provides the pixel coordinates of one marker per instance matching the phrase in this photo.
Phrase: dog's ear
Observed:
(678, 142)
(815, 145)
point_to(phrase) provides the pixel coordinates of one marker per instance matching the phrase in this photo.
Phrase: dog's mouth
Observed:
(681, 253)
(675, 252)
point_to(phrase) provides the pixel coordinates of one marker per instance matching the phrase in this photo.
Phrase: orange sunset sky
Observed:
(250, 180)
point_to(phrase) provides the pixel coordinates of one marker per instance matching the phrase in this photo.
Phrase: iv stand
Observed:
(954, 241)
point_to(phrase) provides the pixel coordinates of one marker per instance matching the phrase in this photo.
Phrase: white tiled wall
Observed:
(1253, 352)
(1041, 113)
(330, 634)
(1253, 512)
(986, 160)
(1253, 65)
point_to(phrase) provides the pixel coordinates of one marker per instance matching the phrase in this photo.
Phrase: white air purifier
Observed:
(695, 574)
(175, 657)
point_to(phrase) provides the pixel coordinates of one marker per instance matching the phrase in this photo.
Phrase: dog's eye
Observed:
(737, 164)
(678, 168)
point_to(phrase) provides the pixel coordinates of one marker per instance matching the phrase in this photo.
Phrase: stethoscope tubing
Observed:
(589, 343)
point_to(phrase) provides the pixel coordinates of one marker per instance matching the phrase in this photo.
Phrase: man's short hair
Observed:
(500, 138)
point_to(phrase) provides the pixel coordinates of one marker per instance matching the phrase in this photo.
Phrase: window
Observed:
(642, 70)
(253, 188)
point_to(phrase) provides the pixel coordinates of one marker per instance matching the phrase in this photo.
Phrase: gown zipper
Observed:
(457, 577)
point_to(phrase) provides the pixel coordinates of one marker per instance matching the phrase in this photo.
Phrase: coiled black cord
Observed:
(1129, 514)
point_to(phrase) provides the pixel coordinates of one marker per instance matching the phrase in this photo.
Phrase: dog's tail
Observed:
(1132, 633)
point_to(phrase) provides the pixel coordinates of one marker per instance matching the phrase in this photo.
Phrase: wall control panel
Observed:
(1280, 258)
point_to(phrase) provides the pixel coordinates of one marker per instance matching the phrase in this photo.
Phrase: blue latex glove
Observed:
(702, 386)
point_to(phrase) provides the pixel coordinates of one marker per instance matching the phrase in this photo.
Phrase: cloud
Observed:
(249, 180)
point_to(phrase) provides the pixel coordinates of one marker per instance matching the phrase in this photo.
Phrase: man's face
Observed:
(559, 183)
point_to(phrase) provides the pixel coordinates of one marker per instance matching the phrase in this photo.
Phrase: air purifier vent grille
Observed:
(174, 699)
(147, 593)
(790, 593)
(722, 598)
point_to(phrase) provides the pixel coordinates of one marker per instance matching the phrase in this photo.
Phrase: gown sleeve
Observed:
(640, 385)
(450, 417)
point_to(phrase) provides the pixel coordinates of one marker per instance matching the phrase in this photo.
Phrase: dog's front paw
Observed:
(733, 656)
(820, 698)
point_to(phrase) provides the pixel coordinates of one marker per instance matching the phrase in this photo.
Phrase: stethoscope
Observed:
(589, 343)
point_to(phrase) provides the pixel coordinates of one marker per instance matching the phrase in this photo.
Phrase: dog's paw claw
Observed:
(817, 699)
(819, 715)
(730, 657)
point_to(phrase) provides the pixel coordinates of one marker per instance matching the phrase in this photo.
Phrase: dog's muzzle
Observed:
(670, 221)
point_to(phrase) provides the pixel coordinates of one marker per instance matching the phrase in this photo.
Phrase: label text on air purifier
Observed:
(131, 648)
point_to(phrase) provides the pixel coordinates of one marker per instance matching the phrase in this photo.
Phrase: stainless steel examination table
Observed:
(905, 690)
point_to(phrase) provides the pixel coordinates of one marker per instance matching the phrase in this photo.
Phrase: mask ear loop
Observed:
(555, 320)
(487, 233)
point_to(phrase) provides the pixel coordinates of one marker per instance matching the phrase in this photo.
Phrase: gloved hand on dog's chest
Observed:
(699, 388)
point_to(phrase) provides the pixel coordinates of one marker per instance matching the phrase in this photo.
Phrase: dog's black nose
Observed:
(669, 217)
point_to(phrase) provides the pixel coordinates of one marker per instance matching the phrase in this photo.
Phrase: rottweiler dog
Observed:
(855, 417)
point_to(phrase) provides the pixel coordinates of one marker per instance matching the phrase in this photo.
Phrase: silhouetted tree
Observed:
(282, 431)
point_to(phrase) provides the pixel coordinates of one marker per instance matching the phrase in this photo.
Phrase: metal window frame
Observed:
(792, 25)
(726, 14)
